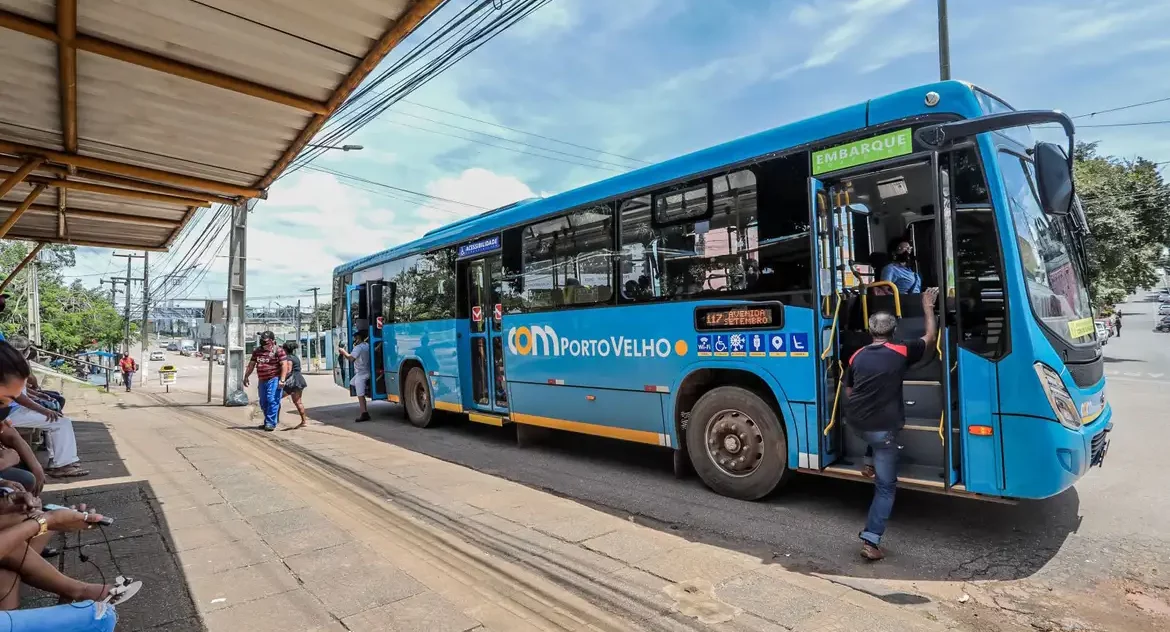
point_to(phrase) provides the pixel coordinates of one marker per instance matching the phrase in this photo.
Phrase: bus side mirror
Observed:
(1054, 180)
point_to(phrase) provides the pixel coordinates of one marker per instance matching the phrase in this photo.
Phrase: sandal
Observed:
(123, 590)
(68, 471)
(297, 427)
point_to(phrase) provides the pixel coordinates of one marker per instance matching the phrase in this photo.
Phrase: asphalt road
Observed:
(1109, 526)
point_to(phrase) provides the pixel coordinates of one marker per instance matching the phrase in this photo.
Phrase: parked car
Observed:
(157, 356)
(1163, 324)
(1164, 309)
(1164, 296)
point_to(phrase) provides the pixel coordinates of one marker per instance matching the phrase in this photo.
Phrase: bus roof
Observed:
(956, 97)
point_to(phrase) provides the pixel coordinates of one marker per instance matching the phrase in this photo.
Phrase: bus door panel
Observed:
(978, 457)
(356, 320)
(376, 294)
(488, 388)
(494, 315)
(820, 450)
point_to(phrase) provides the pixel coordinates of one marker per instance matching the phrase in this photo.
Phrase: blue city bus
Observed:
(709, 304)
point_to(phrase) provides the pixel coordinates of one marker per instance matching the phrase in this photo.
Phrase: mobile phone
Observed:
(105, 521)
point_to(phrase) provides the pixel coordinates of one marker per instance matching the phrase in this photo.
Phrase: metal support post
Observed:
(318, 353)
(145, 317)
(234, 317)
(299, 325)
(944, 43)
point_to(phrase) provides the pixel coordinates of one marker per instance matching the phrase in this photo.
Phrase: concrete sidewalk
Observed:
(326, 529)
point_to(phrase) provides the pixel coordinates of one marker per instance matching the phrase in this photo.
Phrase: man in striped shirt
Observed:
(268, 362)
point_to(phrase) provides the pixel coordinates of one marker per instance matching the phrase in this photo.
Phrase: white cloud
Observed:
(861, 17)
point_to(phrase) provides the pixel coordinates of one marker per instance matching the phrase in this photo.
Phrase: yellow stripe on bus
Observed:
(449, 407)
(393, 399)
(491, 420)
(639, 436)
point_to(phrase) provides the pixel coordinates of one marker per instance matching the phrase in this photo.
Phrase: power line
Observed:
(511, 140)
(490, 23)
(519, 151)
(1135, 124)
(1123, 107)
(520, 131)
(350, 176)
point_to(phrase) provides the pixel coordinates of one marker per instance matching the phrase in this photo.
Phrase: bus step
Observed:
(488, 419)
(914, 476)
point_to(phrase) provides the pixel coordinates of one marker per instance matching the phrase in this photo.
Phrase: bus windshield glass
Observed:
(1049, 254)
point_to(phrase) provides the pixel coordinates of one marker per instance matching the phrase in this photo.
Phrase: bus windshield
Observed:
(1050, 256)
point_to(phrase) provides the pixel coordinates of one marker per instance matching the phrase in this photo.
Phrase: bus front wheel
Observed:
(416, 395)
(737, 443)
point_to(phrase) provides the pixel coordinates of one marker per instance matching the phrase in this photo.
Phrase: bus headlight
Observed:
(1058, 397)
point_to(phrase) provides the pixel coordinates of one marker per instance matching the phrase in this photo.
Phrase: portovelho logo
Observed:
(542, 340)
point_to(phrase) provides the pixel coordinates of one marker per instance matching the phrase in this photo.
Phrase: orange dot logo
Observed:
(680, 347)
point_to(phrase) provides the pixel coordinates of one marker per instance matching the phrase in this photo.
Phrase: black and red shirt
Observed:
(875, 375)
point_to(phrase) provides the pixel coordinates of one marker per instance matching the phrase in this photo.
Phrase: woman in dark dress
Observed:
(295, 383)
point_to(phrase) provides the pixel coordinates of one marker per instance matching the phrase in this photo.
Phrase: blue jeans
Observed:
(269, 401)
(884, 444)
(84, 616)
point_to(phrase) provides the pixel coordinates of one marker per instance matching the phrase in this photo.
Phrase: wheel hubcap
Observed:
(420, 397)
(734, 442)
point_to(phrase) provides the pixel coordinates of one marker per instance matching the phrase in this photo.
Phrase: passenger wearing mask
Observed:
(899, 272)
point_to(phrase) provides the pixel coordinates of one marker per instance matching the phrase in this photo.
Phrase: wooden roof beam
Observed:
(16, 177)
(130, 171)
(84, 213)
(67, 71)
(20, 209)
(129, 55)
(118, 181)
(77, 185)
(20, 266)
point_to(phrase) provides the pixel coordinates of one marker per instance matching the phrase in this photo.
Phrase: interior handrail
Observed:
(865, 300)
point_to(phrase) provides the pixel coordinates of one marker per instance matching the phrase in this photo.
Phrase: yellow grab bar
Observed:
(941, 436)
(837, 397)
(832, 331)
(865, 300)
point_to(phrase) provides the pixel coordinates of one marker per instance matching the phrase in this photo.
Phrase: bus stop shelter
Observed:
(120, 119)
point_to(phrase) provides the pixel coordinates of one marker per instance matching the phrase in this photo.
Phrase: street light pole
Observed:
(944, 43)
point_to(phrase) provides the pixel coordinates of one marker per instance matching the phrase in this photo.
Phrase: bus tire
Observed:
(416, 398)
(737, 443)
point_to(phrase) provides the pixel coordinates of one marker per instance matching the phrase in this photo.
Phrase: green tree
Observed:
(72, 316)
(1126, 204)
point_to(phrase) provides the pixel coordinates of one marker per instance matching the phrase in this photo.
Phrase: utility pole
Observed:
(944, 43)
(34, 302)
(299, 323)
(129, 262)
(317, 333)
(113, 294)
(145, 317)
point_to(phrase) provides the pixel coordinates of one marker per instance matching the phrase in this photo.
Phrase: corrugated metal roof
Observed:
(129, 101)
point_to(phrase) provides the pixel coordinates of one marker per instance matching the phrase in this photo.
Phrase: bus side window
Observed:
(568, 260)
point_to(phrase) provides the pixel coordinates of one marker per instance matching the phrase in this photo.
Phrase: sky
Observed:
(647, 80)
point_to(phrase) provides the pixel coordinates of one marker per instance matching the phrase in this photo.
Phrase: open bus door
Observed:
(380, 301)
(928, 442)
(356, 320)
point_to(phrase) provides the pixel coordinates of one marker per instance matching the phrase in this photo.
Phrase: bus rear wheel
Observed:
(416, 398)
(737, 443)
